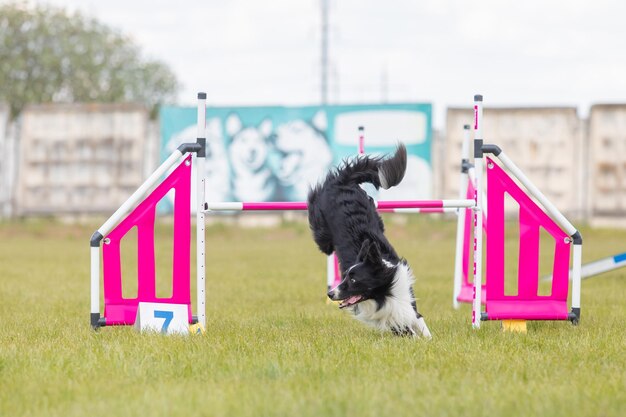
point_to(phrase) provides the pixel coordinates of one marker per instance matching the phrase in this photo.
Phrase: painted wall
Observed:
(276, 153)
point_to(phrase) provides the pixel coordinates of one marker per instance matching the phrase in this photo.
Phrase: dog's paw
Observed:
(422, 328)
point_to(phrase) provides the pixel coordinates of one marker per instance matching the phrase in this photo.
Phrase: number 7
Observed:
(167, 315)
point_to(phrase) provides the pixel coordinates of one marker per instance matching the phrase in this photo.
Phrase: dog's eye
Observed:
(352, 280)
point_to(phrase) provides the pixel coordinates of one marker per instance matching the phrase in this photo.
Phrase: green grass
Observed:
(273, 346)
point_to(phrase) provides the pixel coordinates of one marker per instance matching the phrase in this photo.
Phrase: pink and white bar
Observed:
(478, 216)
(199, 203)
(421, 210)
(361, 147)
(301, 205)
(425, 204)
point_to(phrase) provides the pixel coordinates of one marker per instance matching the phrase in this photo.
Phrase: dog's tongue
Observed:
(350, 301)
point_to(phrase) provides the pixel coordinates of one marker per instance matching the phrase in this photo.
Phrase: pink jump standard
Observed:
(120, 310)
(139, 211)
(527, 304)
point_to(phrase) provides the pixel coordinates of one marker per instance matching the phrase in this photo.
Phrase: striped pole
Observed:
(334, 278)
(200, 198)
(302, 205)
(361, 148)
(478, 218)
(420, 210)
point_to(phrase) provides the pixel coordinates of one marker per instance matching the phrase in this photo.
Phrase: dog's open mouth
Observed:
(350, 301)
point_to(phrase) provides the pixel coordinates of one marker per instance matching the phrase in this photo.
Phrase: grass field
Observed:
(274, 347)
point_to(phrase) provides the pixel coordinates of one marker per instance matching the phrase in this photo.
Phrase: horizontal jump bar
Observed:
(301, 205)
(421, 210)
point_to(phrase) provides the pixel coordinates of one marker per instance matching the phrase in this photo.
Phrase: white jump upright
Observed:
(140, 211)
(478, 217)
(200, 199)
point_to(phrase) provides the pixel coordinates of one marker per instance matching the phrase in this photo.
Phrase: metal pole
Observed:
(576, 278)
(200, 199)
(478, 217)
(440, 205)
(95, 285)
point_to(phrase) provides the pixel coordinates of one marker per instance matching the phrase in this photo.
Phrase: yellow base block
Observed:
(196, 328)
(518, 326)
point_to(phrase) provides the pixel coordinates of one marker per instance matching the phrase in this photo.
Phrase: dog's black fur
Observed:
(344, 220)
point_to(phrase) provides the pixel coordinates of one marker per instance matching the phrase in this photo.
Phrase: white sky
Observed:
(248, 52)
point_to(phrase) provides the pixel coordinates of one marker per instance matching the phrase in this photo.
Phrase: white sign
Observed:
(382, 127)
(163, 318)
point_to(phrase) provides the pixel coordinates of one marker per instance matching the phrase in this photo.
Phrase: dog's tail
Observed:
(379, 171)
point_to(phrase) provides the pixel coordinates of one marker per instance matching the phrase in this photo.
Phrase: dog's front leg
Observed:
(422, 328)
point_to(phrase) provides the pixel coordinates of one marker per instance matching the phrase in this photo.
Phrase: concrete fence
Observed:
(605, 157)
(8, 159)
(87, 159)
(546, 143)
(80, 159)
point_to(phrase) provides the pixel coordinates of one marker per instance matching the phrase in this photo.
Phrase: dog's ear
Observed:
(363, 252)
(319, 120)
(233, 124)
(266, 127)
(373, 255)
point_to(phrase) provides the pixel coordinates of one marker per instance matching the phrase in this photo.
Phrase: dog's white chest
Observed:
(397, 312)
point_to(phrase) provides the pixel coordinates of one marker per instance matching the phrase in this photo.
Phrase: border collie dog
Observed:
(376, 284)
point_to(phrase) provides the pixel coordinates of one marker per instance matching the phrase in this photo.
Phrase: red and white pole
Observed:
(361, 148)
(332, 265)
(478, 218)
(200, 199)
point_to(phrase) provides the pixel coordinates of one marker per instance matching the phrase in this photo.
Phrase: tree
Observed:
(50, 55)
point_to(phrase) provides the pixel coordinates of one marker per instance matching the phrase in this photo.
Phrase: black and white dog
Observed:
(377, 285)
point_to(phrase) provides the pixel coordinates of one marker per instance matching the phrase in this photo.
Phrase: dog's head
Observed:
(249, 146)
(371, 277)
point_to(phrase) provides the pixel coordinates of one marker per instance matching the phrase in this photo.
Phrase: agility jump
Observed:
(463, 286)
(527, 305)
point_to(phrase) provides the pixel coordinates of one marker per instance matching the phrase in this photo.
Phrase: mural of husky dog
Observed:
(305, 156)
(252, 177)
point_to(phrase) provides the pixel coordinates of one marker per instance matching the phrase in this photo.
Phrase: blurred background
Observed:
(94, 95)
